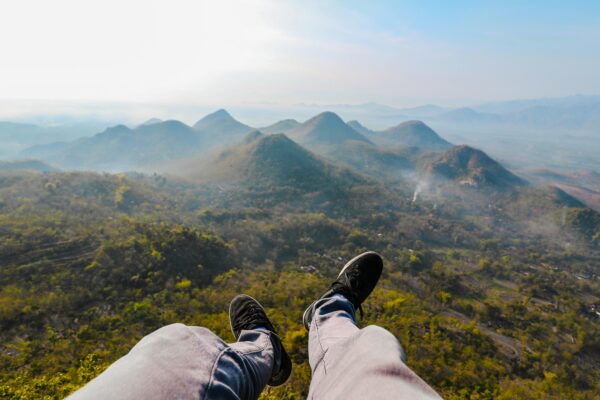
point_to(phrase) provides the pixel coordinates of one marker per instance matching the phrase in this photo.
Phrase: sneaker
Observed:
(245, 313)
(355, 282)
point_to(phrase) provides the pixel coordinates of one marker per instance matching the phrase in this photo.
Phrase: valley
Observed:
(490, 282)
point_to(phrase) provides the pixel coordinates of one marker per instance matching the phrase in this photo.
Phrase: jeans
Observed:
(181, 362)
(352, 363)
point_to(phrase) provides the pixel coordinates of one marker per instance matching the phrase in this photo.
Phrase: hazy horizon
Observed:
(50, 112)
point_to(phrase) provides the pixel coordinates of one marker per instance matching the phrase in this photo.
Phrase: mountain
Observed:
(360, 128)
(471, 167)
(379, 113)
(504, 107)
(17, 136)
(274, 172)
(119, 147)
(584, 185)
(468, 115)
(151, 121)
(26, 165)
(585, 221)
(356, 111)
(221, 128)
(424, 111)
(585, 117)
(372, 160)
(274, 161)
(413, 134)
(20, 131)
(326, 128)
(283, 126)
(45, 151)
(575, 112)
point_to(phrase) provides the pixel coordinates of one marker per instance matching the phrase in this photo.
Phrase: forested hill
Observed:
(489, 302)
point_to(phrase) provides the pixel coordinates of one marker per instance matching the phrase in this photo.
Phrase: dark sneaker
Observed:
(245, 313)
(355, 282)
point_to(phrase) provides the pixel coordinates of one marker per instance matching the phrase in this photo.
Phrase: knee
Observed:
(179, 332)
(178, 326)
(176, 329)
(384, 340)
(377, 331)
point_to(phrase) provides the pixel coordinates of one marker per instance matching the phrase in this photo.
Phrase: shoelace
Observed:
(251, 318)
(346, 291)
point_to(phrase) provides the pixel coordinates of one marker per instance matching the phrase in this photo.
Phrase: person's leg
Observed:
(333, 320)
(244, 369)
(352, 363)
(182, 362)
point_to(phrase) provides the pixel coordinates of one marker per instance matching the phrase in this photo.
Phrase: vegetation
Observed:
(486, 305)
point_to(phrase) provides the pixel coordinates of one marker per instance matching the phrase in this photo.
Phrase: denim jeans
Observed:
(352, 363)
(181, 362)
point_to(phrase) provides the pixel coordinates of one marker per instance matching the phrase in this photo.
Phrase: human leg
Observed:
(183, 362)
(352, 363)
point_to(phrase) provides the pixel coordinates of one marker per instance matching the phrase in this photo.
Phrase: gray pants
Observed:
(352, 363)
(181, 362)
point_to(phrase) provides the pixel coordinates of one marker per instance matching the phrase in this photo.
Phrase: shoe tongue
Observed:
(344, 290)
(252, 318)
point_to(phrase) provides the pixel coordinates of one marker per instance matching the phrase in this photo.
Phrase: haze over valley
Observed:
(547, 141)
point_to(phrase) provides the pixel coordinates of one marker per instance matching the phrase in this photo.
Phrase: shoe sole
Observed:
(344, 268)
(307, 327)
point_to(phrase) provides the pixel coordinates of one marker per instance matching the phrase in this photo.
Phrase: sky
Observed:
(400, 53)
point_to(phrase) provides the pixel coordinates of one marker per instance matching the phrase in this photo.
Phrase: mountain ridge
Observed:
(220, 127)
(121, 146)
(326, 128)
(418, 134)
(282, 126)
(271, 160)
(471, 167)
(26, 165)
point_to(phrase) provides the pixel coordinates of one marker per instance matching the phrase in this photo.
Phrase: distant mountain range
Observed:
(404, 149)
(122, 148)
(14, 131)
(569, 102)
(573, 112)
(154, 142)
(26, 165)
(17, 136)
(320, 155)
(394, 154)
(577, 112)
(387, 154)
